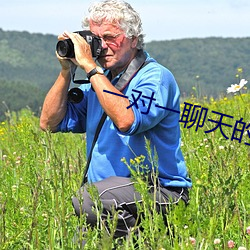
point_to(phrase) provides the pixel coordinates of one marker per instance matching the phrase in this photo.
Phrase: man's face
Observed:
(118, 50)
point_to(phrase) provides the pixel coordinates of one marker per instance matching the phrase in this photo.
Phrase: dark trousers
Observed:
(119, 194)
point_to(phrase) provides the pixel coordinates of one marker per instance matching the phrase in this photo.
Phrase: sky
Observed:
(162, 19)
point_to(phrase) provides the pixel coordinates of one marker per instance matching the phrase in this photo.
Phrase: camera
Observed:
(65, 48)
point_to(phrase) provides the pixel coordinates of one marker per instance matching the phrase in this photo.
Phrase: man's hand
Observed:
(66, 63)
(83, 54)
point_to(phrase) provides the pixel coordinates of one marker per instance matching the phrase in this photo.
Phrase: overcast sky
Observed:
(162, 19)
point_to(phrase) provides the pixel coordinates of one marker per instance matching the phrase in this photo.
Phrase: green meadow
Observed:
(40, 172)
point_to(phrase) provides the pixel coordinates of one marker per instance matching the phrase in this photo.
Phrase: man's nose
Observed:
(104, 44)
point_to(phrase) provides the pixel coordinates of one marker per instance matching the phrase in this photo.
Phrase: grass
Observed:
(40, 172)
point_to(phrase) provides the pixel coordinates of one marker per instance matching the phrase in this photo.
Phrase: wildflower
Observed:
(198, 182)
(240, 70)
(230, 244)
(248, 230)
(45, 216)
(123, 160)
(138, 159)
(221, 147)
(192, 240)
(216, 241)
(132, 162)
(242, 248)
(22, 210)
(237, 87)
(14, 188)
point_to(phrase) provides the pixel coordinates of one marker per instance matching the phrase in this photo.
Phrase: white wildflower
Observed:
(217, 241)
(242, 248)
(237, 87)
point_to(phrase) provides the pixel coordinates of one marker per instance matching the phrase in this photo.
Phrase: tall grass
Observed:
(40, 172)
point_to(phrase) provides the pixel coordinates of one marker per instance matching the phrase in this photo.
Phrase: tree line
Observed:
(202, 67)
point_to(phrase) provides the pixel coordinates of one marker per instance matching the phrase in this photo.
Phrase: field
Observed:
(40, 172)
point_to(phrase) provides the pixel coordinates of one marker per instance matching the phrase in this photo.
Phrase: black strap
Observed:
(136, 64)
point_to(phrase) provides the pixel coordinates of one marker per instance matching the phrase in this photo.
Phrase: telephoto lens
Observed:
(75, 95)
(65, 48)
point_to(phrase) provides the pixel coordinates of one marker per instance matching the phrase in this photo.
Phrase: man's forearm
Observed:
(114, 106)
(55, 103)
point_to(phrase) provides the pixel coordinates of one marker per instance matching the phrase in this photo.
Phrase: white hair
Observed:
(120, 13)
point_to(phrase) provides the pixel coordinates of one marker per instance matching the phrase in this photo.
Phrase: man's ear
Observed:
(134, 42)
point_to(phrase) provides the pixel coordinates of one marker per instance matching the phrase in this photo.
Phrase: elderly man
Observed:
(140, 98)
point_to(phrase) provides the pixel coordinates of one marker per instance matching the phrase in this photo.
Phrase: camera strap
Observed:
(136, 64)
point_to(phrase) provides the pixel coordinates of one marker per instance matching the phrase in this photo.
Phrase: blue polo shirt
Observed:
(154, 97)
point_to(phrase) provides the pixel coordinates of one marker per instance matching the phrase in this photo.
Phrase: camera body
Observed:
(65, 48)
